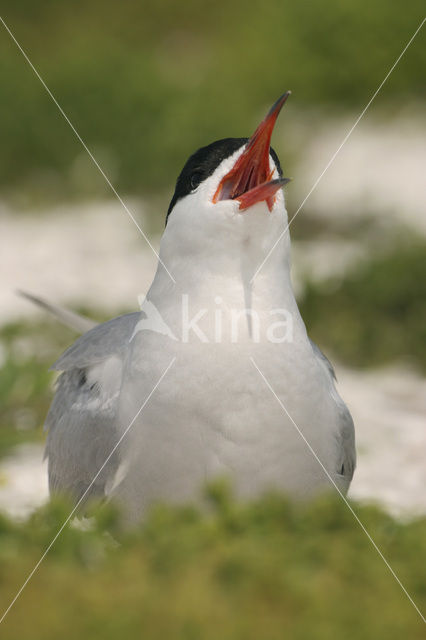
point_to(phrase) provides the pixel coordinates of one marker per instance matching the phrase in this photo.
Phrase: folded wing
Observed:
(82, 420)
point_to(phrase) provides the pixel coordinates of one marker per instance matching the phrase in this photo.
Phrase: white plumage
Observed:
(212, 414)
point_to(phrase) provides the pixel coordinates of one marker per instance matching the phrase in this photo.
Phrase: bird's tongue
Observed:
(250, 179)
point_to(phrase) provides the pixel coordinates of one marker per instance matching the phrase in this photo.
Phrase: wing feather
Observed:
(346, 435)
(82, 420)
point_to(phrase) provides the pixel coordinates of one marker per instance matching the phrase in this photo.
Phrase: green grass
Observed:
(28, 349)
(266, 570)
(25, 383)
(375, 314)
(147, 83)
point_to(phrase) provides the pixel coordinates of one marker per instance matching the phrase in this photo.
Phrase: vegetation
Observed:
(375, 314)
(27, 351)
(146, 83)
(265, 570)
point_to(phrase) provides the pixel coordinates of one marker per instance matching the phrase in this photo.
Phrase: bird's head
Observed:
(229, 193)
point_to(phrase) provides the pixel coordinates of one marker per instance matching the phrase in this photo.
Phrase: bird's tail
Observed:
(65, 316)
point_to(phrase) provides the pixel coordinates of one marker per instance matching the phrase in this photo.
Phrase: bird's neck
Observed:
(235, 275)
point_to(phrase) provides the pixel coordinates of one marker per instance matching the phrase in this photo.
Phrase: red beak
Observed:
(249, 181)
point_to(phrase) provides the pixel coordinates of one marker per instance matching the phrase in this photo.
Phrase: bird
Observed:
(215, 376)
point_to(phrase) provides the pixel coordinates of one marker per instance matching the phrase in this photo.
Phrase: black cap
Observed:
(203, 164)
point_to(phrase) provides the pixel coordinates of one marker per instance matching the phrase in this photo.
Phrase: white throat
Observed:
(214, 251)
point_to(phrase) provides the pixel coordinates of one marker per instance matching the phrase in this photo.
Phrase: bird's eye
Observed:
(195, 179)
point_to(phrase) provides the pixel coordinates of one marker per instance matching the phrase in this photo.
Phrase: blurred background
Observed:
(145, 84)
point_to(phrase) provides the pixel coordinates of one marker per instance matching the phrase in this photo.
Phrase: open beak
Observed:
(250, 179)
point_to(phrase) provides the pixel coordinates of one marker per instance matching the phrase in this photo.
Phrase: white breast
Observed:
(213, 415)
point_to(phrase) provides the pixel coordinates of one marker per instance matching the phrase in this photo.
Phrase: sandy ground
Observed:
(389, 408)
(94, 257)
(379, 171)
(23, 481)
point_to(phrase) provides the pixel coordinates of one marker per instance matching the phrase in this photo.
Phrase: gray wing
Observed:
(347, 453)
(82, 420)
